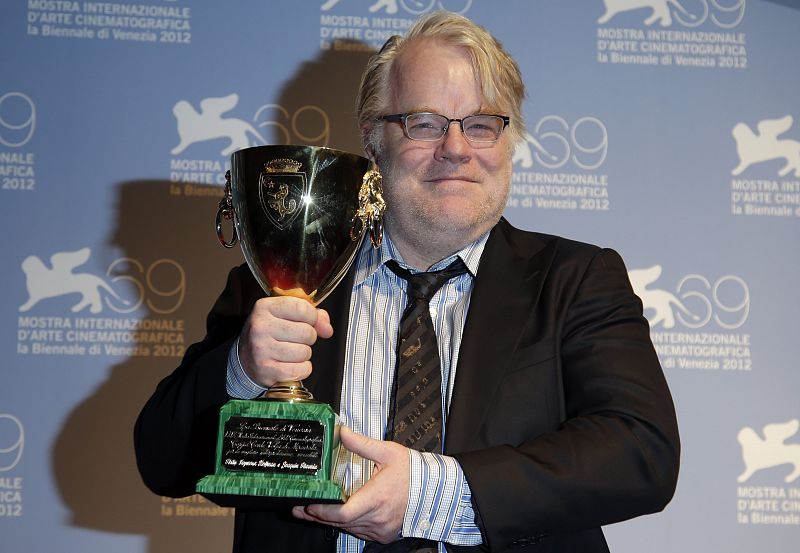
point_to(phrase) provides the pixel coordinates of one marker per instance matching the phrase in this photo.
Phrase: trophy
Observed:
(300, 214)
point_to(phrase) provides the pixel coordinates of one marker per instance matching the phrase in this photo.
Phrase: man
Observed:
(557, 417)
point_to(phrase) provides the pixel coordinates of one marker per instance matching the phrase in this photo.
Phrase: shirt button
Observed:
(424, 524)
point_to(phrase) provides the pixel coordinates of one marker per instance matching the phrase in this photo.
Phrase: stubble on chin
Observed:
(435, 230)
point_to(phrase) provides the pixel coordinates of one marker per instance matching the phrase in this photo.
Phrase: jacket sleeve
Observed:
(614, 452)
(175, 433)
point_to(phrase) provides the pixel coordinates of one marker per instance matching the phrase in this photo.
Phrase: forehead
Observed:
(433, 76)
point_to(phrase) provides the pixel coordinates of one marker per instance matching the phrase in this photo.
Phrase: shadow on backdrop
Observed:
(330, 83)
(93, 459)
(787, 3)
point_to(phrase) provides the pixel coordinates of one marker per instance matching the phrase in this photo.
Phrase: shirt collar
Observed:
(370, 259)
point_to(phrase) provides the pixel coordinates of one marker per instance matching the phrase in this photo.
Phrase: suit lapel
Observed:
(506, 288)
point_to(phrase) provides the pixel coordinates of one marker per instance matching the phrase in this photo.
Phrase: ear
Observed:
(368, 149)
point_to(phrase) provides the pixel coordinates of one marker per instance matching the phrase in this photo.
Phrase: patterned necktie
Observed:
(416, 414)
(416, 420)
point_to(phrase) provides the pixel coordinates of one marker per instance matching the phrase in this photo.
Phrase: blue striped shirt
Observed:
(439, 499)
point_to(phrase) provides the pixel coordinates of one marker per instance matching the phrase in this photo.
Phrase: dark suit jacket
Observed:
(560, 414)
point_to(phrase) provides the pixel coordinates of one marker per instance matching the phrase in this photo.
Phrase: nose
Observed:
(454, 146)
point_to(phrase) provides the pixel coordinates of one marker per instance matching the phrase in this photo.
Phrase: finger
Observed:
(283, 330)
(281, 372)
(286, 307)
(358, 529)
(331, 514)
(362, 527)
(270, 326)
(275, 371)
(278, 338)
(300, 512)
(356, 511)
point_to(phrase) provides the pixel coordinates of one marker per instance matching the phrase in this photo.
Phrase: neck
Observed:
(424, 252)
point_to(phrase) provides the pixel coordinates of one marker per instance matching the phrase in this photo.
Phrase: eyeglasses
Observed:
(430, 127)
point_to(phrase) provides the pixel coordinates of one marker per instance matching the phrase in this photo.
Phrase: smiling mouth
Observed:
(451, 178)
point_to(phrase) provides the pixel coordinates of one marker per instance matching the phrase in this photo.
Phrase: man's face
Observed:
(440, 195)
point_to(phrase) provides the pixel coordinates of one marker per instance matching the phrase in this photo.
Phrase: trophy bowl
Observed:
(300, 213)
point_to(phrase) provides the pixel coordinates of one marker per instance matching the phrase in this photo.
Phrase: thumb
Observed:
(374, 450)
(323, 324)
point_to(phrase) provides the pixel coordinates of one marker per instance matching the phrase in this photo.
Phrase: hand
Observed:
(376, 511)
(275, 343)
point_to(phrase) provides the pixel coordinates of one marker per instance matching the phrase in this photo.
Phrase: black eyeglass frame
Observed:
(403, 117)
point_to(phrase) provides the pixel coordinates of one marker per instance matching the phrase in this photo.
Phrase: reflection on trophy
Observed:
(300, 214)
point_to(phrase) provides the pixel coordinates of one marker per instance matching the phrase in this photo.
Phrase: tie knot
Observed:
(424, 285)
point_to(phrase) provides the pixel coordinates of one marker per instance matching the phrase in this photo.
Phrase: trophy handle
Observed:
(371, 206)
(292, 390)
(225, 210)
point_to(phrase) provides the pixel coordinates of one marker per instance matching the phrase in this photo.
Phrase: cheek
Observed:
(413, 154)
(399, 164)
(498, 167)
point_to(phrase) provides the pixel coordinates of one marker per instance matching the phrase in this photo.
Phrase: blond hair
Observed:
(497, 72)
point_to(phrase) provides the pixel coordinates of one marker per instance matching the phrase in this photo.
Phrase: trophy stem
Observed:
(289, 390)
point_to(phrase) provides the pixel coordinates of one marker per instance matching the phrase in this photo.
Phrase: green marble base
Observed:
(229, 491)
(273, 452)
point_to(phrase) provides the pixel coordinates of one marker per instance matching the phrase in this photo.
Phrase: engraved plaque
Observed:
(282, 446)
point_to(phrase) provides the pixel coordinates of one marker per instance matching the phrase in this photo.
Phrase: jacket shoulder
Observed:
(527, 243)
